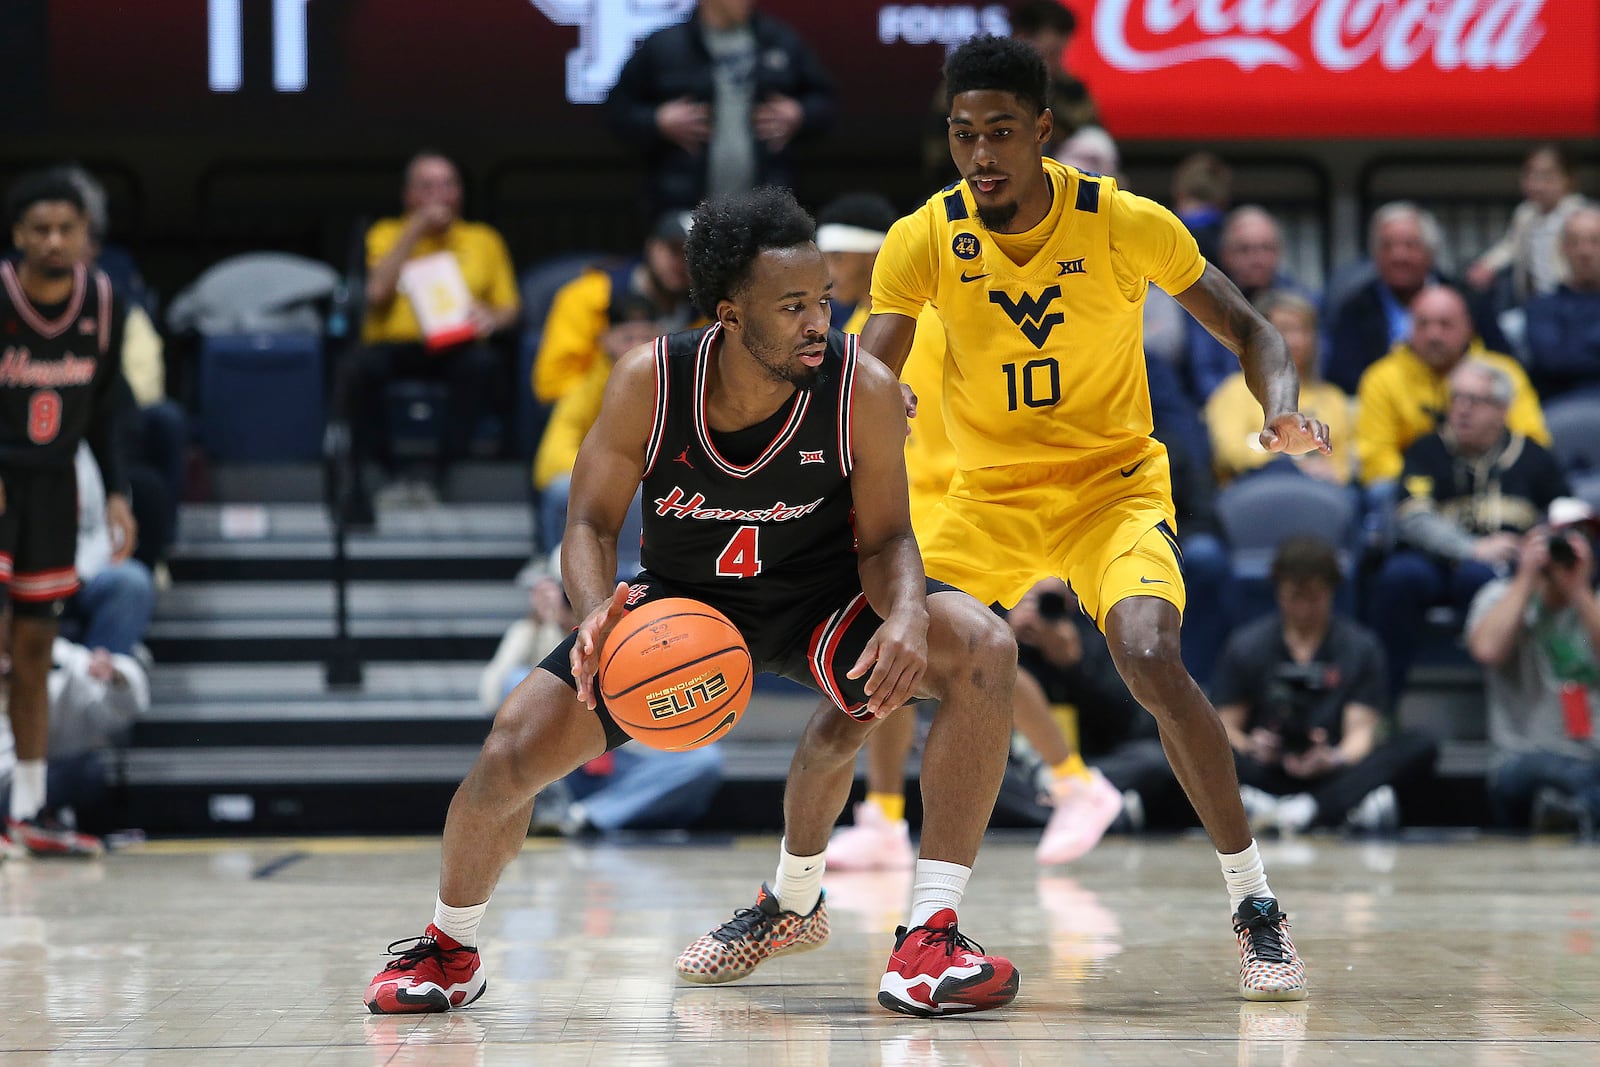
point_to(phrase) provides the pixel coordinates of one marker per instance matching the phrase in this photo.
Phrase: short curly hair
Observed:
(1000, 63)
(38, 187)
(729, 232)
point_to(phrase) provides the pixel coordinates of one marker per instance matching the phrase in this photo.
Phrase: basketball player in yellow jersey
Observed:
(850, 231)
(1039, 273)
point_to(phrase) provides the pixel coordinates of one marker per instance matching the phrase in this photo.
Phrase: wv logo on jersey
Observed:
(1029, 313)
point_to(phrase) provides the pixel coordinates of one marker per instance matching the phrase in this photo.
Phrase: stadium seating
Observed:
(261, 397)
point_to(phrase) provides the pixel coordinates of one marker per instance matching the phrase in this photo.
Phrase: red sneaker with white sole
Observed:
(936, 971)
(433, 972)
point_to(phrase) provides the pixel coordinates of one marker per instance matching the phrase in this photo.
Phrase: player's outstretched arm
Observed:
(607, 472)
(891, 566)
(1221, 308)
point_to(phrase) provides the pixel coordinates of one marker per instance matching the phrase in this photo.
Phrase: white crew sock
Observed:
(461, 924)
(937, 885)
(1246, 877)
(798, 883)
(27, 788)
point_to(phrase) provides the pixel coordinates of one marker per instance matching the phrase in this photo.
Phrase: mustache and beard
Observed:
(998, 216)
(779, 359)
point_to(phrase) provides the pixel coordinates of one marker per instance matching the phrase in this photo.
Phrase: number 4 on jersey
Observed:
(740, 557)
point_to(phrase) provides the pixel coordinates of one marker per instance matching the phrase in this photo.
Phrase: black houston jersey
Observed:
(760, 516)
(51, 370)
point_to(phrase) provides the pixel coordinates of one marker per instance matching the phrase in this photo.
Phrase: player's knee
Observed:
(831, 737)
(1150, 662)
(985, 658)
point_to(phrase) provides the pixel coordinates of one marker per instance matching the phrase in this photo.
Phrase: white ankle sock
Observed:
(798, 883)
(937, 885)
(1245, 875)
(461, 924)
(27, 788)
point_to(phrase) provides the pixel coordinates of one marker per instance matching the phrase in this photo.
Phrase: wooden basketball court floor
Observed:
(1477, 951)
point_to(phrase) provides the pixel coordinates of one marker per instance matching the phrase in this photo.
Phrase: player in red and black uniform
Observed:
(60, 365)
(772, 459)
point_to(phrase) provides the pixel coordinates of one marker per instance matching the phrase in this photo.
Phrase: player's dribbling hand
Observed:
(1294, 434)
(592, 631)
(898, 656)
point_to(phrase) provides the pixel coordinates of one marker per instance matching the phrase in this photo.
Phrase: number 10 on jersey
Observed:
(1039, 381)
(741, 556)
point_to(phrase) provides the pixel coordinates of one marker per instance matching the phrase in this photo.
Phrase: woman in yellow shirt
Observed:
(1234, 416)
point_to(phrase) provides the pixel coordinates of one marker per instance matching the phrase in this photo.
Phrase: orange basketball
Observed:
(675, 674)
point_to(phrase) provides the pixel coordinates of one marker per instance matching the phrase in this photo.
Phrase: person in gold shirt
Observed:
(1039, 273)
(1234, 416)
(1406, 394)
(576, 333)
(392, 341)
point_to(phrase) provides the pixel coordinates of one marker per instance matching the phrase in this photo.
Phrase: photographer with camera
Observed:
(1537, 634)
(1468, 493)
(1300, 694)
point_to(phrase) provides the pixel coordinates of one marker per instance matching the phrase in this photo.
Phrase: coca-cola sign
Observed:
(1342, 68)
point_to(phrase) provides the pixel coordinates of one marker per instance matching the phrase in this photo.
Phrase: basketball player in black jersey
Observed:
(60, 361)
(771, 454)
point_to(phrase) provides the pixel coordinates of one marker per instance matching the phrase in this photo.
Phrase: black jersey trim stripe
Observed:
(658, 428)
(847, 392)
(102, 285)
(825, 643)
(46, 328)
(702, 431)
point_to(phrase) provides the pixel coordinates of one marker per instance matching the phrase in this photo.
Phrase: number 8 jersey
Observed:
(1045, 360)
(756, 518)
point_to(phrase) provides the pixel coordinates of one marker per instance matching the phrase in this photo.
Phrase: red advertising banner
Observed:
(1314, 69)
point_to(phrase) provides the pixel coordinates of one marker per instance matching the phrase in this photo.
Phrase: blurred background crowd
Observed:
(1431, 259)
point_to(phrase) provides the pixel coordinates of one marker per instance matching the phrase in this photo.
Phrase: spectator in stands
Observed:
(633, 788)
(1301, 694)
(1048, 27)
(1405, 394)
(579, 331)
(631, 323)
(529, 639)
(111, 609)
(1531, 245)
(1234, 415)
(850, 230)
(392, 341)
(1537, 634)
(1252, 256)
(1202, 188)
(95, 696)
(1468, 493)
(716, 103)
(1091, 150)
(1564, 325)
(1405, 243)
(156, 430)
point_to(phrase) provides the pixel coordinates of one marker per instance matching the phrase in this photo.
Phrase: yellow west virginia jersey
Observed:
(1045, 358)
(930, 461)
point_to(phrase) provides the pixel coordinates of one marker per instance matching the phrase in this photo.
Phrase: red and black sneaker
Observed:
(433, 972)
(936, 971)
(44, 835)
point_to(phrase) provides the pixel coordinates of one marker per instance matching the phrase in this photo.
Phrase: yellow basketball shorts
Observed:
(1104, 524)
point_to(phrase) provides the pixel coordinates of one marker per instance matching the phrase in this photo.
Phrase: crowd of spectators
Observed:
(1434, 391)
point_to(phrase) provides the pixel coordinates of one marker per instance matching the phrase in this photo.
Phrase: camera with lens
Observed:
(1294, 692)
(1562, 553)
(1052, 606)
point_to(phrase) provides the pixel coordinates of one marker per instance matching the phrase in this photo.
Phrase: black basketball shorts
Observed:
(797, 641)
(39, 538)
